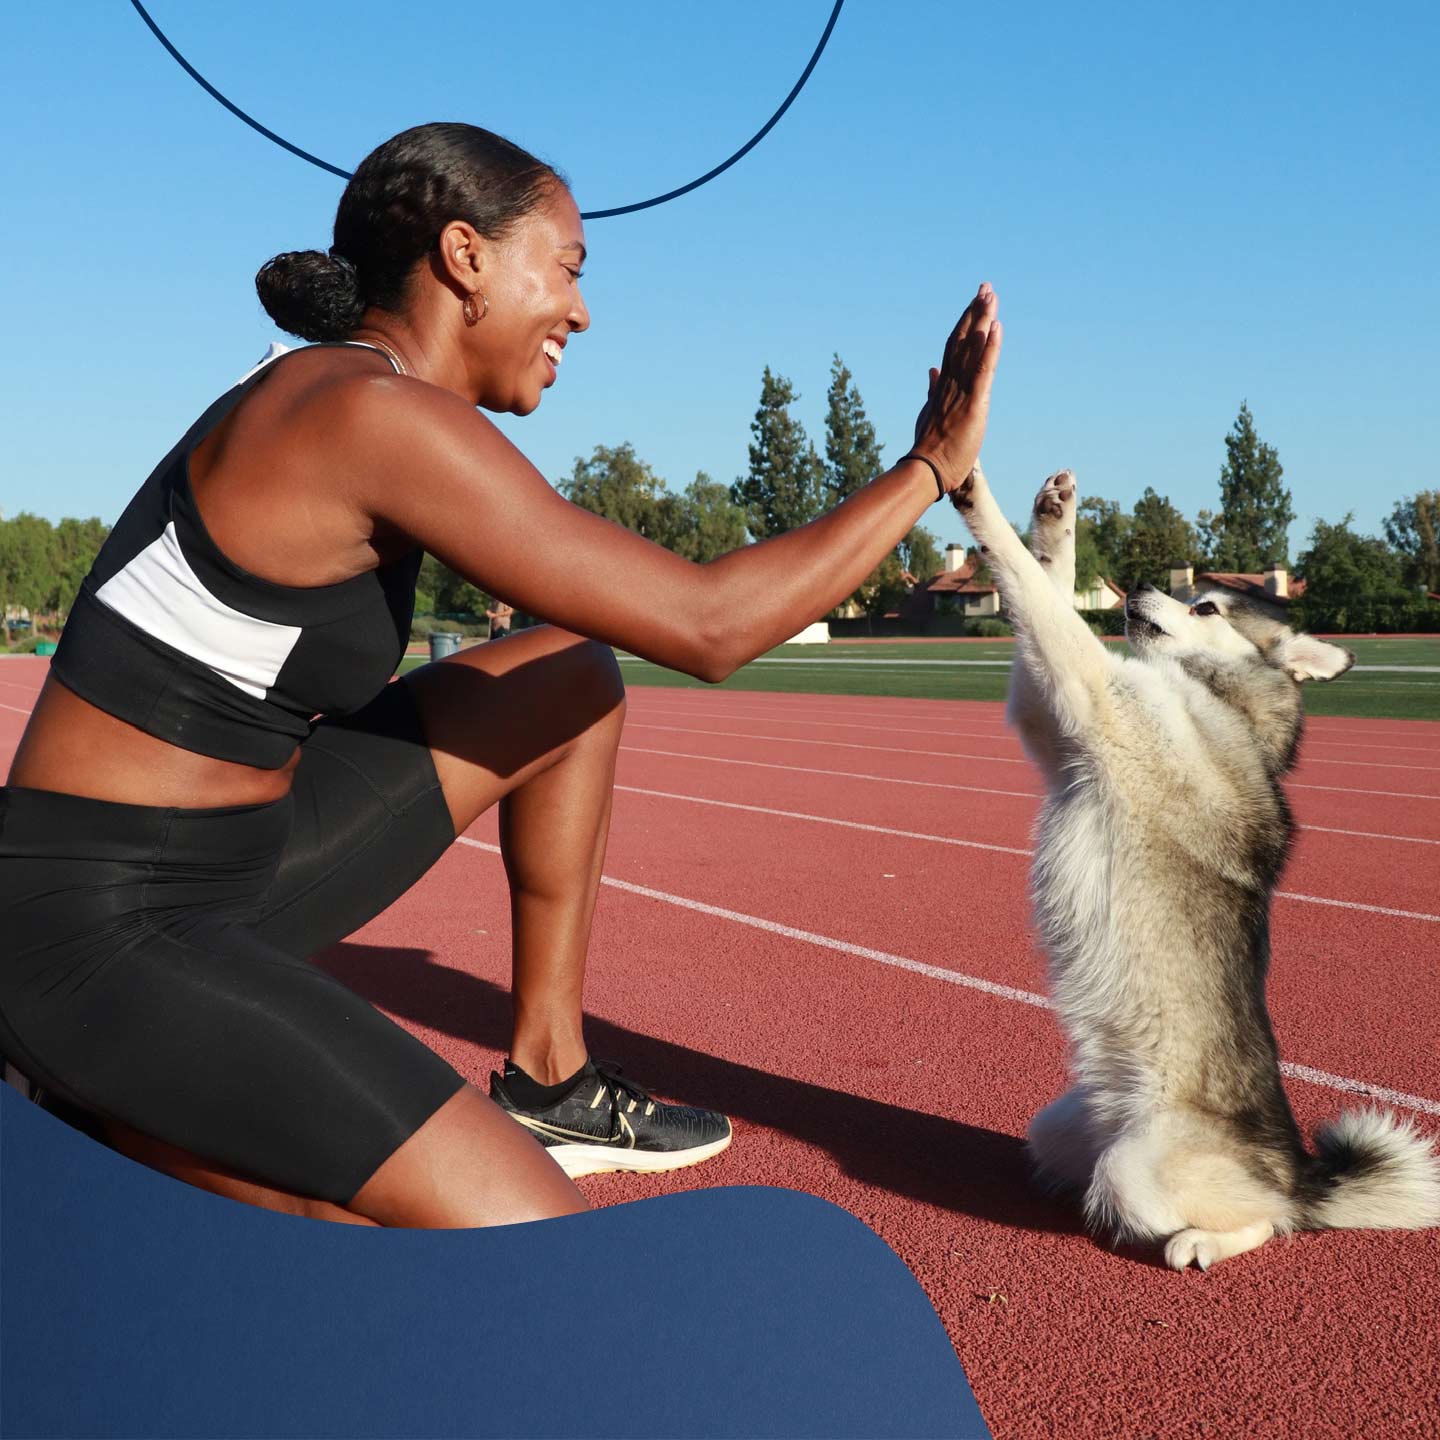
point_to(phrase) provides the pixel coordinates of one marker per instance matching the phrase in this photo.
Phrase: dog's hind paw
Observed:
(1209, 1247)
(1192, 1247)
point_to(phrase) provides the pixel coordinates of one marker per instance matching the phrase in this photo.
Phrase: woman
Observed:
(178, 834)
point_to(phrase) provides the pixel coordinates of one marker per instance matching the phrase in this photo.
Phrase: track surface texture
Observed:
(815, 918)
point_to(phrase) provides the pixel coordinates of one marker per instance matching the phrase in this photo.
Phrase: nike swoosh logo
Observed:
(558, 1132)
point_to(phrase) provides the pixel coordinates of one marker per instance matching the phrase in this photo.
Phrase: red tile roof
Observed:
(1252, 585)
(961, 581)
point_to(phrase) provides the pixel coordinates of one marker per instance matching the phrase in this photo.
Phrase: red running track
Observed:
(816, 920)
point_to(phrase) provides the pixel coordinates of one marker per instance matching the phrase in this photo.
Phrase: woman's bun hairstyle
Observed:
(390, 218)
(310, 294)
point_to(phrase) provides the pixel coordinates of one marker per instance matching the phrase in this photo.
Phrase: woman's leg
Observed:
(533, 724)
(468, 1165)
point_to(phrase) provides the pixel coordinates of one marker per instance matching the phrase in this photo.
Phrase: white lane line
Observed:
(1359, 1087)
(900, 962)
(1363, 764)
(948, 839)
(895, 664)
(978, 789)
(1351, 790)
(810, 740)
(841, 774)
(956, 977)
(15, 708)
(1370, 835)
(1356, 905)
(827, 820)
(1005, 735)
(1003, 849)
(950, 754)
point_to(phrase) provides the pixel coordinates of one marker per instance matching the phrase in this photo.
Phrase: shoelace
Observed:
(622, 1090)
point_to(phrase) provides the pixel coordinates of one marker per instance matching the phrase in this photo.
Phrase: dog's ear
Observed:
(1303, 657)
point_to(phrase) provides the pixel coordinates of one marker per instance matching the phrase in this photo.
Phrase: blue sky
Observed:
(1182, 207)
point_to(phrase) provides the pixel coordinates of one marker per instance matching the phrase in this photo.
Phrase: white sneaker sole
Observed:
(578, 1160)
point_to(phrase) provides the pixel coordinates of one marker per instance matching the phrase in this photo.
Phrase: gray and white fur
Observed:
(1160, 842)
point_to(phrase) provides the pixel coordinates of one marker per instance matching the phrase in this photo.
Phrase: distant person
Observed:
(181, 834)
(499, 615)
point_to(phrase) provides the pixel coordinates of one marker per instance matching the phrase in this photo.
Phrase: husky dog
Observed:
(1161, 839)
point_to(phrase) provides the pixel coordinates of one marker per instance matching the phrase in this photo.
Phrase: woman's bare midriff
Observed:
(72, 747)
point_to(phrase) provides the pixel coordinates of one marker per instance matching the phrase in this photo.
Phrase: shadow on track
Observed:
(939, 1162)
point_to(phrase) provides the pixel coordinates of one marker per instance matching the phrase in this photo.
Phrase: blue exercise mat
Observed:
(137, 1306)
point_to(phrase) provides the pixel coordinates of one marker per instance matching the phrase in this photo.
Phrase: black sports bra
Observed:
(171, 636)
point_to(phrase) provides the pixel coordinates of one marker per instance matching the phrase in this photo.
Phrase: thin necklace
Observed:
(384, 349)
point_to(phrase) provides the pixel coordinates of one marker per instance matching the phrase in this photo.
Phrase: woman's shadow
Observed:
(941, 1162)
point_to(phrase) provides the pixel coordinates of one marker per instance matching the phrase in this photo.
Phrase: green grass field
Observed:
(880, 669)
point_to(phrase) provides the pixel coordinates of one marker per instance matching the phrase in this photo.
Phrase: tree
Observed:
(711, 523)
(786, 483)
(27, 564)
(1102, 531)
(921, 555)
(1088, 565)
(77, 543)
(1353, 583)
(1157, 538)
(1414, 530)
(440, 591)
(852, 453)
(1252, 529)
(616, 483)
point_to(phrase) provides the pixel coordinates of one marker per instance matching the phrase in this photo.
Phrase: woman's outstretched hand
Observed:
(951, 426)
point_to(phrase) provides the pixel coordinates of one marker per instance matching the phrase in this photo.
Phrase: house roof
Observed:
(1252, 585)
(961, 581)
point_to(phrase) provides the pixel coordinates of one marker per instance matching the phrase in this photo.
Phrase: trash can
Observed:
(46, 647)
(443, 643)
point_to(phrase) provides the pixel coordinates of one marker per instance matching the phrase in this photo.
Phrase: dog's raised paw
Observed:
(972, 488)
(1056, 500)
(1192, 1247)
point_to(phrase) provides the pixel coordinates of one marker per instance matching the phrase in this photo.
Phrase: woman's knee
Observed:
(598, 673)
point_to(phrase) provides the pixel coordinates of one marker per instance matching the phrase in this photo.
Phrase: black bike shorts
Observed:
(153, 962)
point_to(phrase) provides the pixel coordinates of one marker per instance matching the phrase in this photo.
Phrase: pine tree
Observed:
(1159, 537)
(1252, 530)
(786, 483)
(851, 450)
(1414, 530)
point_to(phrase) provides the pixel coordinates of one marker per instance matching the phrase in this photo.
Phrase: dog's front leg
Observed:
(1064, 662)
(1052, 543)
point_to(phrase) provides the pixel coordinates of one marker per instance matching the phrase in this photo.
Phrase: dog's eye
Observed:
(1206, 607)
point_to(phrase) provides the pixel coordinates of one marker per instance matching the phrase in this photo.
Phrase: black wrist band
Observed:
(939, 483)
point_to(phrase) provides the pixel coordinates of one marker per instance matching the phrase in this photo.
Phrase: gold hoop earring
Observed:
(472, 316)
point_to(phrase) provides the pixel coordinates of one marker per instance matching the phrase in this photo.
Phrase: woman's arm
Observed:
(441, 472)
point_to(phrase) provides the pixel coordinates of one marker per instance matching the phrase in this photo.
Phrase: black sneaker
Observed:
(609, 1123)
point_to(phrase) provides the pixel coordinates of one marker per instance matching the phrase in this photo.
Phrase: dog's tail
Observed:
(1373, 1172)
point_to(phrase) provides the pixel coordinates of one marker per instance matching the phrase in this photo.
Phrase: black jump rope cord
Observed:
(284, 144)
